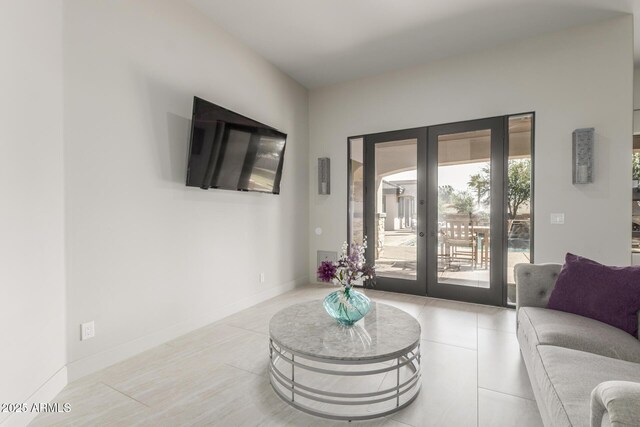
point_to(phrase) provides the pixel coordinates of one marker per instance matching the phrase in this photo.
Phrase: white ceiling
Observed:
(320, 42)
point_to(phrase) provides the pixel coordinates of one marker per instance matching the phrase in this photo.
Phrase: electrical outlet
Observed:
(261, 277)
(87, 330)
(327, 256)
(557, 218)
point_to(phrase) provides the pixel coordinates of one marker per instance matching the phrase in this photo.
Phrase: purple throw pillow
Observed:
(590, 289)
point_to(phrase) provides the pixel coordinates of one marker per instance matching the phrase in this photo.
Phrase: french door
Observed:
(465, 219)
(434, 210)
(395, 209)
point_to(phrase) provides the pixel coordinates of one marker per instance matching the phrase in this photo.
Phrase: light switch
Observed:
(557, 218)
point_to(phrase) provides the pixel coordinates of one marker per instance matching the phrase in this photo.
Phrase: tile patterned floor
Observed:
(473, 374)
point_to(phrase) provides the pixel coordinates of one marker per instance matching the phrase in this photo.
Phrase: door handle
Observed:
(421, 234)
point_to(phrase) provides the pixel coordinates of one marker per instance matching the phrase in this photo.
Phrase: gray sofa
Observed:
(583, 372)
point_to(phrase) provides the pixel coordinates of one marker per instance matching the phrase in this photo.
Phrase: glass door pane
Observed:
(396, 185)
(465, 164)
(518, 222)
(356, 190)
(464, 208)
(394, 209)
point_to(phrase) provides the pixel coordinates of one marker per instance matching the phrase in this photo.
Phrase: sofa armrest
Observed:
(619, 400)
(534, 283)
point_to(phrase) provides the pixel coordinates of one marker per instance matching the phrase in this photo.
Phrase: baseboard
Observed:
(44, 394)
(88, 365)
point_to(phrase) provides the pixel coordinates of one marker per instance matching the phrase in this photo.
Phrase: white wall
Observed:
(149, 258)
(32, 282)
(581, 77)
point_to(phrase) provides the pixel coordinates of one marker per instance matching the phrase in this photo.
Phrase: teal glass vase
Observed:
(349, 309)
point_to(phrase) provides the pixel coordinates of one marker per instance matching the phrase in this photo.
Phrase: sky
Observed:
(456, 176)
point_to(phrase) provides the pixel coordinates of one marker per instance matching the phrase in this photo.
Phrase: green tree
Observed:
(445, 194)
(636, 166)
(518, 189)
(480, 184)
(463, 202)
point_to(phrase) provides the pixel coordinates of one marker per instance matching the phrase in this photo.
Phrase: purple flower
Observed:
(350, 268)
(369, 271)
(355, 253)
(326, 271)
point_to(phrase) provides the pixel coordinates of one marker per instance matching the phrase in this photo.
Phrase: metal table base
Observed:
(292, 376)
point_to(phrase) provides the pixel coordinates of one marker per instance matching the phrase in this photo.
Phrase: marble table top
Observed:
(306, 328)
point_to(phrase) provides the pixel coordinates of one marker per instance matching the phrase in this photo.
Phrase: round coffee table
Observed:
(364, 371)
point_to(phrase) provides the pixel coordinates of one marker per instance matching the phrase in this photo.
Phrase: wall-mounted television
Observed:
(233, 152)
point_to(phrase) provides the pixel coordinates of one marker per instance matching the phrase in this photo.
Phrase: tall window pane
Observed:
(519, 193)
(396, 213)
(464, 190)
(356, 190)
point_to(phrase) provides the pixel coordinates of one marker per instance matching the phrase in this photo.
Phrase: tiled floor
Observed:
(472, 374)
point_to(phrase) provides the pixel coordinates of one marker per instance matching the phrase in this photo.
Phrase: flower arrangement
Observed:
(350, 269)
(347, 305)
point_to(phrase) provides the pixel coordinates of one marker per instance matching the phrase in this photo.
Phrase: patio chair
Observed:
(460, 242)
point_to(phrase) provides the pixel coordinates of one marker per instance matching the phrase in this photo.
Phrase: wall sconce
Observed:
(583, 155)
(324, 175)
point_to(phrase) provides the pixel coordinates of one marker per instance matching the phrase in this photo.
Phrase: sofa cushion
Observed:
(608, 294)
(551, 409)
(543, 326)
(568, 377)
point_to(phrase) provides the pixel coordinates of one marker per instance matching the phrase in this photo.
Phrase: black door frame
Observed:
(418, 286)
(494, 294)
(421, 288)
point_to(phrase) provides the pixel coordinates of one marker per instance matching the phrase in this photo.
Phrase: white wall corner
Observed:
(90, 364)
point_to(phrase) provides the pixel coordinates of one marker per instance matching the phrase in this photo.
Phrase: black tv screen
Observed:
(233, 152)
